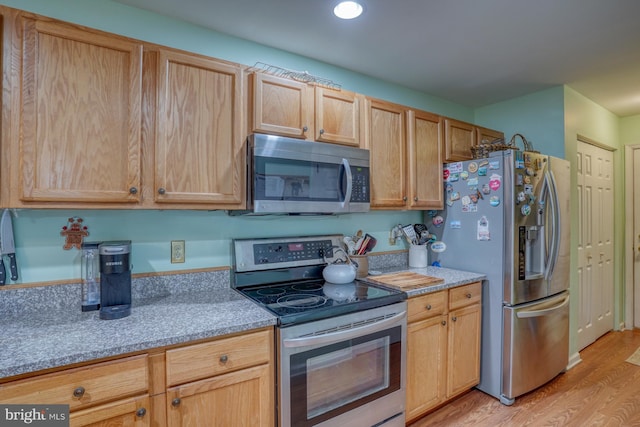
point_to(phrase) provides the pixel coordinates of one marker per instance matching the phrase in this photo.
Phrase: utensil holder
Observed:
(363, 265)
(418, 256)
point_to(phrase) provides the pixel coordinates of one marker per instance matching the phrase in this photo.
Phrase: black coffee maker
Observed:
(115, 279)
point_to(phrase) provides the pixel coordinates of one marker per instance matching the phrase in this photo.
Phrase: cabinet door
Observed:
(80, 115)
(385, 138)
(426, 364)
(459, 137)
(337, 116)
(463, 357)
(241, 398)
(133, 412)
(425, 160)
(281, 106)
(487, 135)
(198, 154)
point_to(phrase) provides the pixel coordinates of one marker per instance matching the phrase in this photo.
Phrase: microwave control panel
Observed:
(360, 189)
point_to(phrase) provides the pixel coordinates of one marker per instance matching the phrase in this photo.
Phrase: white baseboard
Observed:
(574, 360)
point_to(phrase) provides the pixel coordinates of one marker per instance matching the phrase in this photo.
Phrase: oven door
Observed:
(348, 372)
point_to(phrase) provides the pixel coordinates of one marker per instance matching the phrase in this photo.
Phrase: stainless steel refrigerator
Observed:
(507, 216)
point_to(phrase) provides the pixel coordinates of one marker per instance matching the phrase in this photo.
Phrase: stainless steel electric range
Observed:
(341, 348)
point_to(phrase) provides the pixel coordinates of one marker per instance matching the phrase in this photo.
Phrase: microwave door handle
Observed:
(347, 195)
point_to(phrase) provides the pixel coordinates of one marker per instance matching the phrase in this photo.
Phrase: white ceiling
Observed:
(471, 52)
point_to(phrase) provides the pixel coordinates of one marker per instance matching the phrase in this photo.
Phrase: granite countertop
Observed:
(56, 337)
(452, 278)
(41, 329)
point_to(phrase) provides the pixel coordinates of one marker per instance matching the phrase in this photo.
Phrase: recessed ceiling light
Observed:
(347, 10)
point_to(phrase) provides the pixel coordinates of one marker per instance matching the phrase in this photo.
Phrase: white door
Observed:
(595, 242)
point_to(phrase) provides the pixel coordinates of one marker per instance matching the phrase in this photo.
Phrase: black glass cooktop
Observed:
(304, 301)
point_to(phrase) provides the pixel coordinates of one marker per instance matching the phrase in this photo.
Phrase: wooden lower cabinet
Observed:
(426, 360)
(242, 398)
(113, 393)
(443, 347)
(131, 412)
(227, 381)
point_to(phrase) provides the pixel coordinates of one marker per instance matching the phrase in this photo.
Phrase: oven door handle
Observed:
(342, 335)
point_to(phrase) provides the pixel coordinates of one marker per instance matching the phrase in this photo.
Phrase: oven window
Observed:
(344, 376)
(336, 378)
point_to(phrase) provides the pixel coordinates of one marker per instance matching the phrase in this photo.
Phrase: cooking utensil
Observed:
(371, 243)
(350, 244)
(7, 247)
(410, 234)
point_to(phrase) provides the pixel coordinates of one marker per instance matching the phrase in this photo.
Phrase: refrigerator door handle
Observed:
(543, 312)
(552, 193)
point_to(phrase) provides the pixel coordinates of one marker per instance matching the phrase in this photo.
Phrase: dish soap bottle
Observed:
(90, 280)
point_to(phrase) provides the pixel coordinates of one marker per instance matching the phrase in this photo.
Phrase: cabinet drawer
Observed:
(81, 387)
(465, 295)
(212, 358)
(425, 306)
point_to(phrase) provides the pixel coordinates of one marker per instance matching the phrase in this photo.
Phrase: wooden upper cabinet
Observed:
(487, 135)
(459, 137)
(281, 106)
(79, 115)
(337, 115)
(386, 140)
(424, 134)
(199, 138)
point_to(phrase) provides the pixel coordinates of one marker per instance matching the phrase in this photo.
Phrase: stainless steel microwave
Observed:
(292, 176)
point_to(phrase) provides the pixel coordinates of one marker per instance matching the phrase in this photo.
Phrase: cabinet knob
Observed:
(141, 412)
(321, 131)
(454, 319)
(133, 190)
(78, 392)
(428, 307)
(404, 199)
(161, 190)
(305, 128)
(176, 402)
(444, 323)
(415, 199)
(468, 296)
(224, 358)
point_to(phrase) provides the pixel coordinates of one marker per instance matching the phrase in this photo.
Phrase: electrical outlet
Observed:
(177, 251)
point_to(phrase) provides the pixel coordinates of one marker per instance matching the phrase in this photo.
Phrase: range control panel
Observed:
(272, 253)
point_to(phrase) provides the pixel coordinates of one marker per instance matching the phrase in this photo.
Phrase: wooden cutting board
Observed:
(405, 280)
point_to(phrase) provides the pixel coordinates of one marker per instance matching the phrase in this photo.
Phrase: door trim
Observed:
(632, 309)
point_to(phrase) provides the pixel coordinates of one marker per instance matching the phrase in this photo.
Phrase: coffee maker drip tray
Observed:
(115, 311)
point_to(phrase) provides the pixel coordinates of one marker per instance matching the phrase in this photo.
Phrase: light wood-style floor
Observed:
(603, 390)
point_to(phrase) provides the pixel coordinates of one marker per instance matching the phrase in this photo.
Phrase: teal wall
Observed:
(539, 117)
(207, 234)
